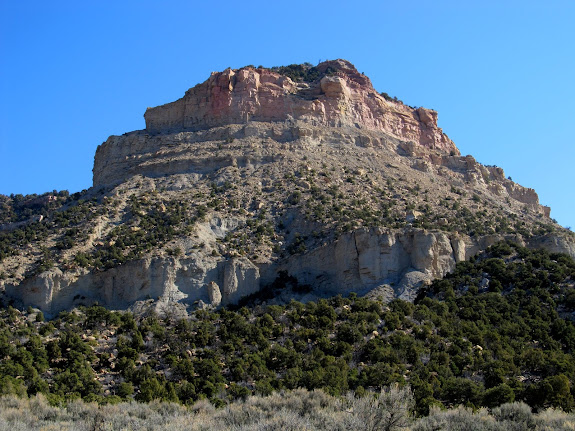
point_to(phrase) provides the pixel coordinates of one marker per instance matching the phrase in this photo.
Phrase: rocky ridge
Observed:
(252, 174)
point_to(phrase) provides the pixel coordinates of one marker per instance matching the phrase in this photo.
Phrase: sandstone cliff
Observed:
(343, 98)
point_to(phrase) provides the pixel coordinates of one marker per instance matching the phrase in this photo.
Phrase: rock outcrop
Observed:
(362, 261)
(342, 98)
(186, 280)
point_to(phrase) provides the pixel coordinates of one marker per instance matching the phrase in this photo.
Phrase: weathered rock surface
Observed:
(370, 258)
(362, 261)
(249, 96)
(186, 280)
(346, 98)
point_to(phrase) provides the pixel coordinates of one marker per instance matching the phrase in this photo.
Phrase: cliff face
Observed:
(343, 98)
(366, 260)
(170, 280)
(252, 174)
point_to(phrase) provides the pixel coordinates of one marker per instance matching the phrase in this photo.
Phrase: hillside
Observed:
(500, 328)
(286, 248)
(298, 170)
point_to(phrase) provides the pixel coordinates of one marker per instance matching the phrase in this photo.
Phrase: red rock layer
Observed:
(343, 98)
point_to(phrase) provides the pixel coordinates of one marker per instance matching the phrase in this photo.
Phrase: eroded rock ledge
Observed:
(345, 97)
(360, 261)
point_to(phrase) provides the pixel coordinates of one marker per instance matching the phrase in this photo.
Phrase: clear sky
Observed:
(501, 74)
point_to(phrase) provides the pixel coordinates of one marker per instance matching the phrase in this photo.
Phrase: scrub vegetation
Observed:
(498, 330)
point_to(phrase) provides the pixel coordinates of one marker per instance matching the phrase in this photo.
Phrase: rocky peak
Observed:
(339, 96)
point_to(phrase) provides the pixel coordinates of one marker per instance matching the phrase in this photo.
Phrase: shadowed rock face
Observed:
(343, 98)
(170, 280)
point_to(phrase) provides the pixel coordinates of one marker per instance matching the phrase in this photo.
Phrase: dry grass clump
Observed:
(508, 417)
(36, 414)
(298, 410)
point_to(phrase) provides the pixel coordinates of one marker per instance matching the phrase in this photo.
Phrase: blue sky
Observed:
(501, 74)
